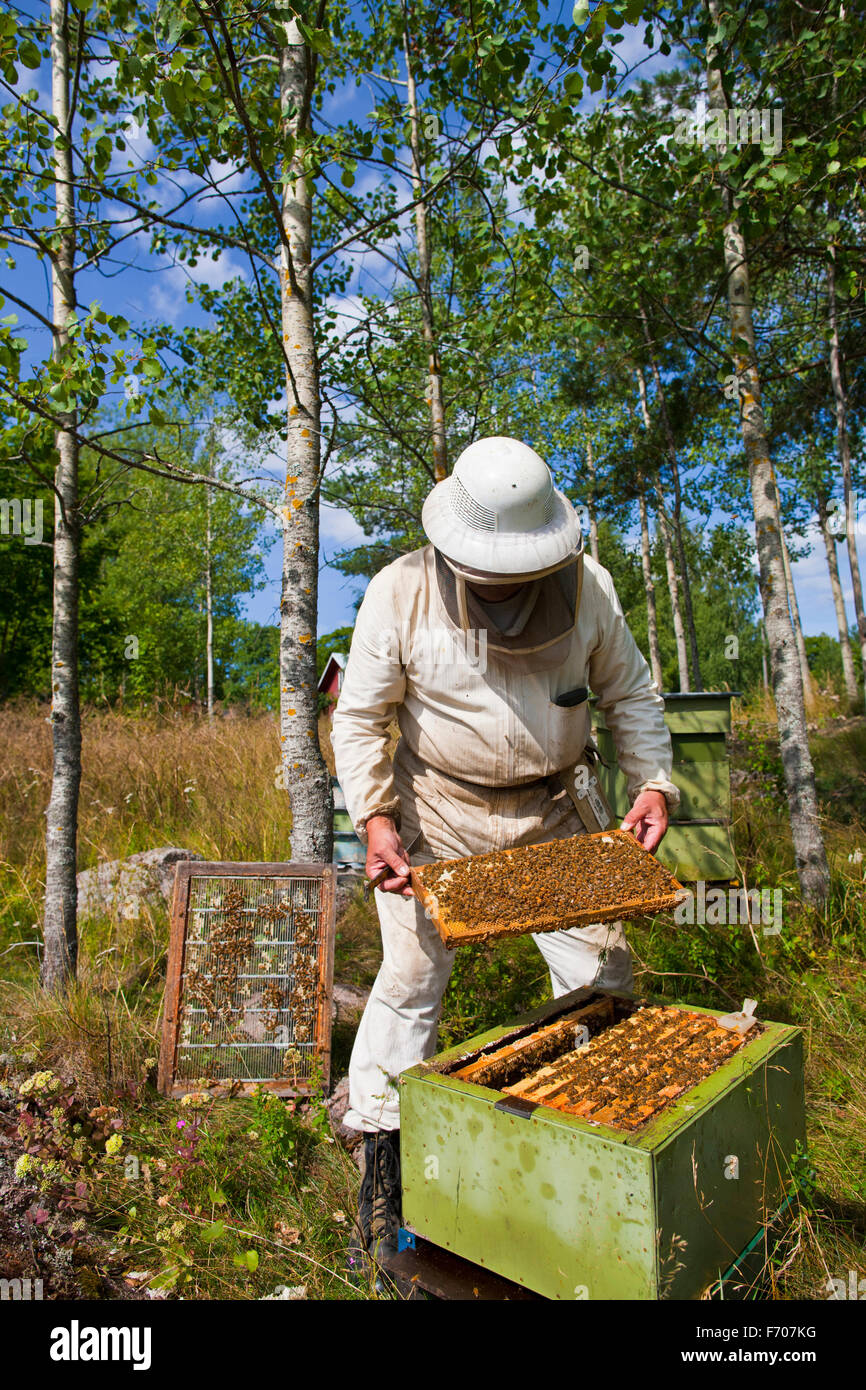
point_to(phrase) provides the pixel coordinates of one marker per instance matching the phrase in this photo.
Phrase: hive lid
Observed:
(536, 888)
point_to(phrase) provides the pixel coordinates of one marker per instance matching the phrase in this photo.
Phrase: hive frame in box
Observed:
(571, 1209)
(186, 875)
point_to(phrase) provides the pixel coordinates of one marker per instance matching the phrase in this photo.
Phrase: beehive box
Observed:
(573, 1207)
(249, 978)
(698, 842)
(544, 887)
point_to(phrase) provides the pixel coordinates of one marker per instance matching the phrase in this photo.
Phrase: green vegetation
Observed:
(233, 1199)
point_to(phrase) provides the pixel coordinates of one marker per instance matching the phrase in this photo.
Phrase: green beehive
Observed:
(698, 842)
(572, 1209)
(348, 853)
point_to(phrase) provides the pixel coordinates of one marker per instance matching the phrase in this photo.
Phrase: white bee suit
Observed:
(480, 733)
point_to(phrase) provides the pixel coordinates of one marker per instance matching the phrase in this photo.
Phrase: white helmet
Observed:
(500, 515)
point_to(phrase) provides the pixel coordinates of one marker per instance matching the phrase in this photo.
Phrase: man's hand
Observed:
(648, 819)
(385, 850)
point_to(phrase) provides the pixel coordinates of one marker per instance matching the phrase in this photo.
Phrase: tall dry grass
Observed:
(759, 709)
(164, 777)
(158, 778)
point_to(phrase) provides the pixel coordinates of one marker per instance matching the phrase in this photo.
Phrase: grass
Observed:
(248, 1195)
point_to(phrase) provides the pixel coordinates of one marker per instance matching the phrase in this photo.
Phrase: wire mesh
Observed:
(251, 989)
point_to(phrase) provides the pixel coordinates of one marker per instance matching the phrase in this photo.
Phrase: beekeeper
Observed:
(481, 646)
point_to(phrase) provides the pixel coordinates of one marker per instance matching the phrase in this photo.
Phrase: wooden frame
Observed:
(185, 873)
(455, 933)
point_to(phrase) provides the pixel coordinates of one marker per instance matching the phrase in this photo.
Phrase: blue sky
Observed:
(146, 286)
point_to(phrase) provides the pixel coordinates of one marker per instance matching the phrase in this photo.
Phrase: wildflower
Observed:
(162, 1201)
(194, 1098)
(42, 1081)
(24, 1165)
(177, 1229)
(339, 1217)
(181, 1123)
(114, 1144)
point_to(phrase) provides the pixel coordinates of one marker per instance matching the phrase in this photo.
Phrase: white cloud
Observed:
(812, 582)
(338, 528)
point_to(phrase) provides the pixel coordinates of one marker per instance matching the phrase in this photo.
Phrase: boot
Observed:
(379, 1200)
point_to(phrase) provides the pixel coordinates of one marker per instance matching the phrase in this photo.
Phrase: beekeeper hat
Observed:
(500, 515)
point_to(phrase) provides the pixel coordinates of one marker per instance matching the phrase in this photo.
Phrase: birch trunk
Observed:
(61, 895)
(209, 607)
(848, 673)
(667, 546)
(649, 585)
(434, 364)
(843, 446)
(591, 508)
(809, 852)
(805, 673)
(677, 526)
(304, 771)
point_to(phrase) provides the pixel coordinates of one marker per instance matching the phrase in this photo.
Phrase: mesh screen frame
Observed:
(247, 1027)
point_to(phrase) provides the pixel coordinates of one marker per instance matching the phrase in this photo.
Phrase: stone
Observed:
(338, 1104)
(348, 1002)
(125, 887)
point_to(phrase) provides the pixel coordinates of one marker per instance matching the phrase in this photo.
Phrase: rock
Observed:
(348, 1002)
(348, 885)
(123, 887)
(338, 1104)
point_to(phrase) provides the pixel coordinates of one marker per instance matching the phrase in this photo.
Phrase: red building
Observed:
(332, 677)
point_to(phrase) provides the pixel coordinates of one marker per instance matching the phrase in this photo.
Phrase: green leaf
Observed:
(213, 1232)
(29, 54)
(580, 13)
(316, 39)
(248, 1260)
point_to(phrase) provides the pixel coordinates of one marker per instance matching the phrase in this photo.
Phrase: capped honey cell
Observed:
(532, 888)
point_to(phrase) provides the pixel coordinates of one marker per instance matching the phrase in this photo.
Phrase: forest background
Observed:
(266, 270)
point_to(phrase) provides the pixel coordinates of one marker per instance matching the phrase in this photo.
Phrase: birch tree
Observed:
(664, 527)
(787, 682)
(422, 243)
(822, 508)
(61, 894)
(843, 446)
